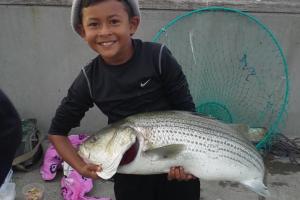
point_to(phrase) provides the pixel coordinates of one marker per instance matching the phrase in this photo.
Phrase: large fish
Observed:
(206, 148)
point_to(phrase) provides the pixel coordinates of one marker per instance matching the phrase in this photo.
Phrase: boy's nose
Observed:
(104, 30)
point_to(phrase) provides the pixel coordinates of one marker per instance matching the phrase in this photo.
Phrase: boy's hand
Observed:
(89, 171)
(179, 174)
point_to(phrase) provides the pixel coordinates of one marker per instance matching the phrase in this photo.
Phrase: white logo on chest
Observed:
(143, 84)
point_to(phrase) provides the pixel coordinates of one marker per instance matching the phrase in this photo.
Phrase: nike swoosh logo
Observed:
(143, 84)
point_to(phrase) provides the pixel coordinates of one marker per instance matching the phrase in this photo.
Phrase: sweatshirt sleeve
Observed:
(10, 122)
(175, 83)
(72, 108)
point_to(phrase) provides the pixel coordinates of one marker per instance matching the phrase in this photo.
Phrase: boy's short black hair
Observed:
(87, 3)
(131, 6)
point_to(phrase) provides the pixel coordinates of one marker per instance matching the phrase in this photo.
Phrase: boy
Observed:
(128, 77)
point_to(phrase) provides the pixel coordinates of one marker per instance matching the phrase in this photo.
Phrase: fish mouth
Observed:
(127, 152)
(131, 153)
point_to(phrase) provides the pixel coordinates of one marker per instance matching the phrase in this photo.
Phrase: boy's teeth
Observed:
(106, 43)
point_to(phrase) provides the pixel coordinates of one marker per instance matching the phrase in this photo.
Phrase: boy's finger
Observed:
(183, 175)
(189, 177)
(95, 168)
(171, 174)
(94, 176)
(178, 173)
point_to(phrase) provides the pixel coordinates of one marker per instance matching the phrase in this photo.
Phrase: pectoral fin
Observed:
(165, 152)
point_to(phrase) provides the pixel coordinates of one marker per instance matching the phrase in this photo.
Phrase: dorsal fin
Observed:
(252, 134)
(242, 130)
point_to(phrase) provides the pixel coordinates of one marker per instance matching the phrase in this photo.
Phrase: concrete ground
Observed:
(283, 181)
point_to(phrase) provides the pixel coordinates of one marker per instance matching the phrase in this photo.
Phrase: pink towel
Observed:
(74, 186)
(52, 161)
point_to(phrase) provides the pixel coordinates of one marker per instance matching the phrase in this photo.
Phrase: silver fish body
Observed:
(206, 148)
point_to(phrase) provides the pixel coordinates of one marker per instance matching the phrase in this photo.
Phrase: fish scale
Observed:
(205, 147)
(204, 142)
(163, 122)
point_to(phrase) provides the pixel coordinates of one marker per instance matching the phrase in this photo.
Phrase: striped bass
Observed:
(207, 148)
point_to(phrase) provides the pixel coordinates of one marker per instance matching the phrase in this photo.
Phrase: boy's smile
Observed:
(107, 29)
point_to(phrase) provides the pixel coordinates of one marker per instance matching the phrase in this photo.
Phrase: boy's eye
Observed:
(92, 24)
(114, 21)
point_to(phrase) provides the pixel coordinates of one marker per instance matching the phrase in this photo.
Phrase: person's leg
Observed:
(135, 187)
(178, 190)
(4, 169)
(7, 153)
(10, 135)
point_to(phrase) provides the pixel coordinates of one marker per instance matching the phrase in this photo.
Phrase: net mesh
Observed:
(234, 66)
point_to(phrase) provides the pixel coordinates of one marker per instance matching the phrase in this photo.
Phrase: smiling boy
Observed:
(128, 76)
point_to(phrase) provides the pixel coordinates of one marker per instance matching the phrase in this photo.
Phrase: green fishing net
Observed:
(235, 67)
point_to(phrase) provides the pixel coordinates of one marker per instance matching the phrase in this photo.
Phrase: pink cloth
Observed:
(74, 186)
(52, 161)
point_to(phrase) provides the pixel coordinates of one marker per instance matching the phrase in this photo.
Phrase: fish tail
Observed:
(257, 186)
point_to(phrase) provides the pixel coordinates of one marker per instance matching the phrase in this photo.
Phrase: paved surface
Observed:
(283, 181)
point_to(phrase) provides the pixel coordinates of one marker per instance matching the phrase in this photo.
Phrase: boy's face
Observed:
(107, 29)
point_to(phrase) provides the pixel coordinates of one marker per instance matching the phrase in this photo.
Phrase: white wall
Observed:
(40, 55)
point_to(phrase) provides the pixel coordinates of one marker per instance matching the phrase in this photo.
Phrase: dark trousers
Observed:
(154, 187)
(7, 152)
(10, 135)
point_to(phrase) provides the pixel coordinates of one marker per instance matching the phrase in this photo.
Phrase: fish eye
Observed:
(93, 139)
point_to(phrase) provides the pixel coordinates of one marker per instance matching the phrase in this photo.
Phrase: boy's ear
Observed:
(134, 23)
(80, 30)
